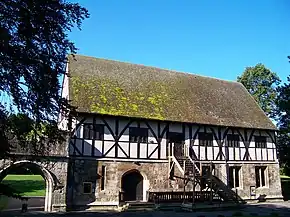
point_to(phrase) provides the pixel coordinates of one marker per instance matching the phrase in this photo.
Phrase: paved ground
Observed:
(283, 209)
(35, 203)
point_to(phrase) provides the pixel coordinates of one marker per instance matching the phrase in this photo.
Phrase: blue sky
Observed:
(216, 38)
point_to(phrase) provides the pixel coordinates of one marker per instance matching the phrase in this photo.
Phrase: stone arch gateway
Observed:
(49, 180)
(53, 172)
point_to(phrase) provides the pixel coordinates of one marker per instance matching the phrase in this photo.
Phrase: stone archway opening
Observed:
(132, 185)
(27, 172)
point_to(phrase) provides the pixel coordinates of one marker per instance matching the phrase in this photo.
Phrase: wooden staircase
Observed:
(207, 181)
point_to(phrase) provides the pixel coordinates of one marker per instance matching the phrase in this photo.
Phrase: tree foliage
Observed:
(283, 103)
(261, 84)
(34, 45)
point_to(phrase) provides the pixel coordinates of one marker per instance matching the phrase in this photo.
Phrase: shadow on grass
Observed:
(27, 187)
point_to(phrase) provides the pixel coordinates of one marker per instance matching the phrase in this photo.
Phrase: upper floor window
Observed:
(260, 141)
(205, 139)
(93, 131)
(138, 134)
(174, 137)
(233, 140)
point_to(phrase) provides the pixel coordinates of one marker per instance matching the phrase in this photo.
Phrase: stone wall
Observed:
(272, 190)
(156, 178)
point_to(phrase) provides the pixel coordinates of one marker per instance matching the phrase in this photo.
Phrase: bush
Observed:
(3, 202)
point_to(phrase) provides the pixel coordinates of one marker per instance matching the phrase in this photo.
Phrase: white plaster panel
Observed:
(163, 149)
(252, 153)
(216, 151)
(143, 150)
(264, 153)
(125, 147)
(210, 153)
(270, 154)
(107, 146)
(195, 149)
(231, 153)
(243, 151)
(121, 153)
(215, 143)
(275, 154)
(98, 148)
(259, 155)
(87, 147)
(151, 148)
(202, 153)
(237, 154)
(133, 150)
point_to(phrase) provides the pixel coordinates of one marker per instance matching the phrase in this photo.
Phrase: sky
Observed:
(216, 38)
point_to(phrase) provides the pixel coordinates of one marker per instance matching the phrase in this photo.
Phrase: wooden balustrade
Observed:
(179, 197)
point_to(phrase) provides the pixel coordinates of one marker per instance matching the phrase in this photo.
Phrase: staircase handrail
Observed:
(177, 164)
(193, 162)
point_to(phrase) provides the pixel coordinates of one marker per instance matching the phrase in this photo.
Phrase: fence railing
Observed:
(179, 197)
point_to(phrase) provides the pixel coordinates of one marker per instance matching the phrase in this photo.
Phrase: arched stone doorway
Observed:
(49, 181)
(132, 186)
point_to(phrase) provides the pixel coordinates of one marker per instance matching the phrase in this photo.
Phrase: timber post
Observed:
(211, 179)
(193, 184)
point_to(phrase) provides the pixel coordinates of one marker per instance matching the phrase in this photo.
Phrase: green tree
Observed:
(34, 45)
(261, 83)
(283, 104)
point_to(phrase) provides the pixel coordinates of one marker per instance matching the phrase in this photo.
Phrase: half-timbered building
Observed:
(140, 130)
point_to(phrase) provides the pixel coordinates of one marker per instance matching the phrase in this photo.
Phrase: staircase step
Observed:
(140, 206)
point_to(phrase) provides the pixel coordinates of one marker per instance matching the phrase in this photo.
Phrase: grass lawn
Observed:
(27, 185)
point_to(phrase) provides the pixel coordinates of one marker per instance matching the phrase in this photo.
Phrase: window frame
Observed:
(260, 141)
(103, 177)
(205, 139)
(138, 137)
(233, 142)
(91, 187)
(234, 173)
(262, 178)
(94, 131)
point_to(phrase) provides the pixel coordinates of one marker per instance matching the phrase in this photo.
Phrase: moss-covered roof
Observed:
(124, 89)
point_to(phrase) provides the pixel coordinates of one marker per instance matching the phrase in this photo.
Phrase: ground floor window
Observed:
(235, 176)
(87, 187)
(261, 172)
(103, 178)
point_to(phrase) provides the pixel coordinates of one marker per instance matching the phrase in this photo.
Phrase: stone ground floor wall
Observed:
(272, 190)
(155, 178)
(65, 180)
(54, 171)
